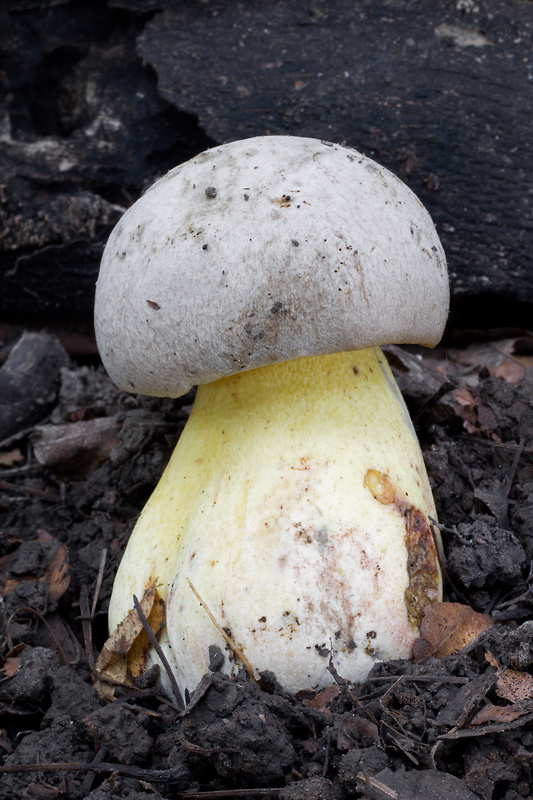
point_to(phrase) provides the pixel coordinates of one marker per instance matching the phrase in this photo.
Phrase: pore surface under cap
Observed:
(260, 251)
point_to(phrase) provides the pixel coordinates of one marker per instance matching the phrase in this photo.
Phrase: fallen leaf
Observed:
(509, 371)
(51, 557)
(138, 652)
(11, 667)
(321, 700)
(11, 457)
(124, 655)
(464, 405)
(5, 743)
(508, 359)
(354, 730)
(462, 703)
(511, 684)
(57, 575)
(447, 628)
(499, 714)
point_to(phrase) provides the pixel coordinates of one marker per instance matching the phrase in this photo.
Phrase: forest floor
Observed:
(78, 460)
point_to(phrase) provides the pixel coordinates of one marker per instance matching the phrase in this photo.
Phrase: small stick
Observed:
(86, 627)
(453, 531)
(223, 633)
(446, 386)
(437, 678)
(374, 788)
(510, 478)
(326, 757)
(151, 775)
(441, 562)
(220, 794)
(99, 580)
(52, 498)
(66, 661)
(155, 644)
(490, 443)
(90, 776)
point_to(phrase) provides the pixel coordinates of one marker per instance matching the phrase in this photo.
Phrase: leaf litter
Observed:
(455, 722)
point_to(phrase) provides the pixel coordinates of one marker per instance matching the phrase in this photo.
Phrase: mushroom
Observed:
(268, 271)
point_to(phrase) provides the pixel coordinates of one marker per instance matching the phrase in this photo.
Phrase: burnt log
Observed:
(441, 97)
(440, 94)
(82, 133)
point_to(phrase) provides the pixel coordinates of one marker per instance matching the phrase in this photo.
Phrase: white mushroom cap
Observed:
(260, 251)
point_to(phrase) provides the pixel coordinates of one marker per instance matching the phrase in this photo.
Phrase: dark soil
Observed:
(78, 459)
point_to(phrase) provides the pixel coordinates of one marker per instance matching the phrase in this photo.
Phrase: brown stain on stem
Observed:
(422, 560)
(380, 486)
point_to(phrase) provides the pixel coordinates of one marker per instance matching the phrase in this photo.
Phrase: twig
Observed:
(89, 778)
(490, 728)
(374, 788)
(442, 565)
(438, 678)
(446, 386)
(157, 647)
(152, 775)
(238, 652)
(87, 629)
(508, 356)
(333, 672)
(220, 794)
(326, 757)
(510, 603)
(66, 661)
(453, 531)
(491, 443)
(99, 579)
(509, 482)
(52, 498)
(433, 753)
(87, 615)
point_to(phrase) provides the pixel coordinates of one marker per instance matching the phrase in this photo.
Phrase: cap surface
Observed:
(260, 251)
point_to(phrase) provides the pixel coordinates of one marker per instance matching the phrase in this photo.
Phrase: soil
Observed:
(78, 459)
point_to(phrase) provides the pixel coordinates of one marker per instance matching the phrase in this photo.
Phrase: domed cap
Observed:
(260, 251)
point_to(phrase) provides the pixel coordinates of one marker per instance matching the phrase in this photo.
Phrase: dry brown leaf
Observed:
(356, 729)
(138, 653)
(5, 742)
(464, 405)
(503, 358)
(9, 584)
(491, 713)
(447, 628)
(11, 457)
(56, 575)
(509, 371)
(321, 700)
(511, 684)
(53, 567)
(124, 654)
(11, 667)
